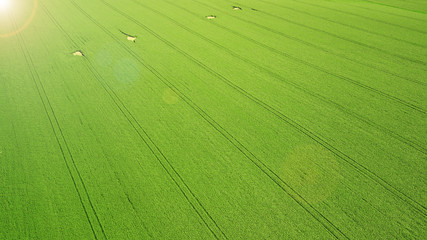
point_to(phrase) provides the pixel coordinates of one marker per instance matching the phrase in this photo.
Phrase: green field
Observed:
(213, 119)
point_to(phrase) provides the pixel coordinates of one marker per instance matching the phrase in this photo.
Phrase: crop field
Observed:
(213, 119)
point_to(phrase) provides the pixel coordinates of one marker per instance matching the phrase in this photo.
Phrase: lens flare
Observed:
(5, 5)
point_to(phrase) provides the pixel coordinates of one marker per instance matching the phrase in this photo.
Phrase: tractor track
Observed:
(338, 106)
(359, 167)
(62, 142)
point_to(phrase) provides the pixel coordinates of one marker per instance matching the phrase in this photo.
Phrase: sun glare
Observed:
(5, 5)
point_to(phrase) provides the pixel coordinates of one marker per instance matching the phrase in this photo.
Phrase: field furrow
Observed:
(190, 119)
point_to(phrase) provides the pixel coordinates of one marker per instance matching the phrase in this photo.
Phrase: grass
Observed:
(294, 119)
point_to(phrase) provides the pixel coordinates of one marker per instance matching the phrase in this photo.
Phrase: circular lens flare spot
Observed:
(313, 171)
(170, 97)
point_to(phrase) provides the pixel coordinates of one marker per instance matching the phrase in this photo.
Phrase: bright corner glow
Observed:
(5, 5)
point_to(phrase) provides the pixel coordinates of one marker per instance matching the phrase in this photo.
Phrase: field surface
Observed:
(213, 119)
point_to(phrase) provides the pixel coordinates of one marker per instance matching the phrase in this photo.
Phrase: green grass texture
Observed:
(213, 119)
